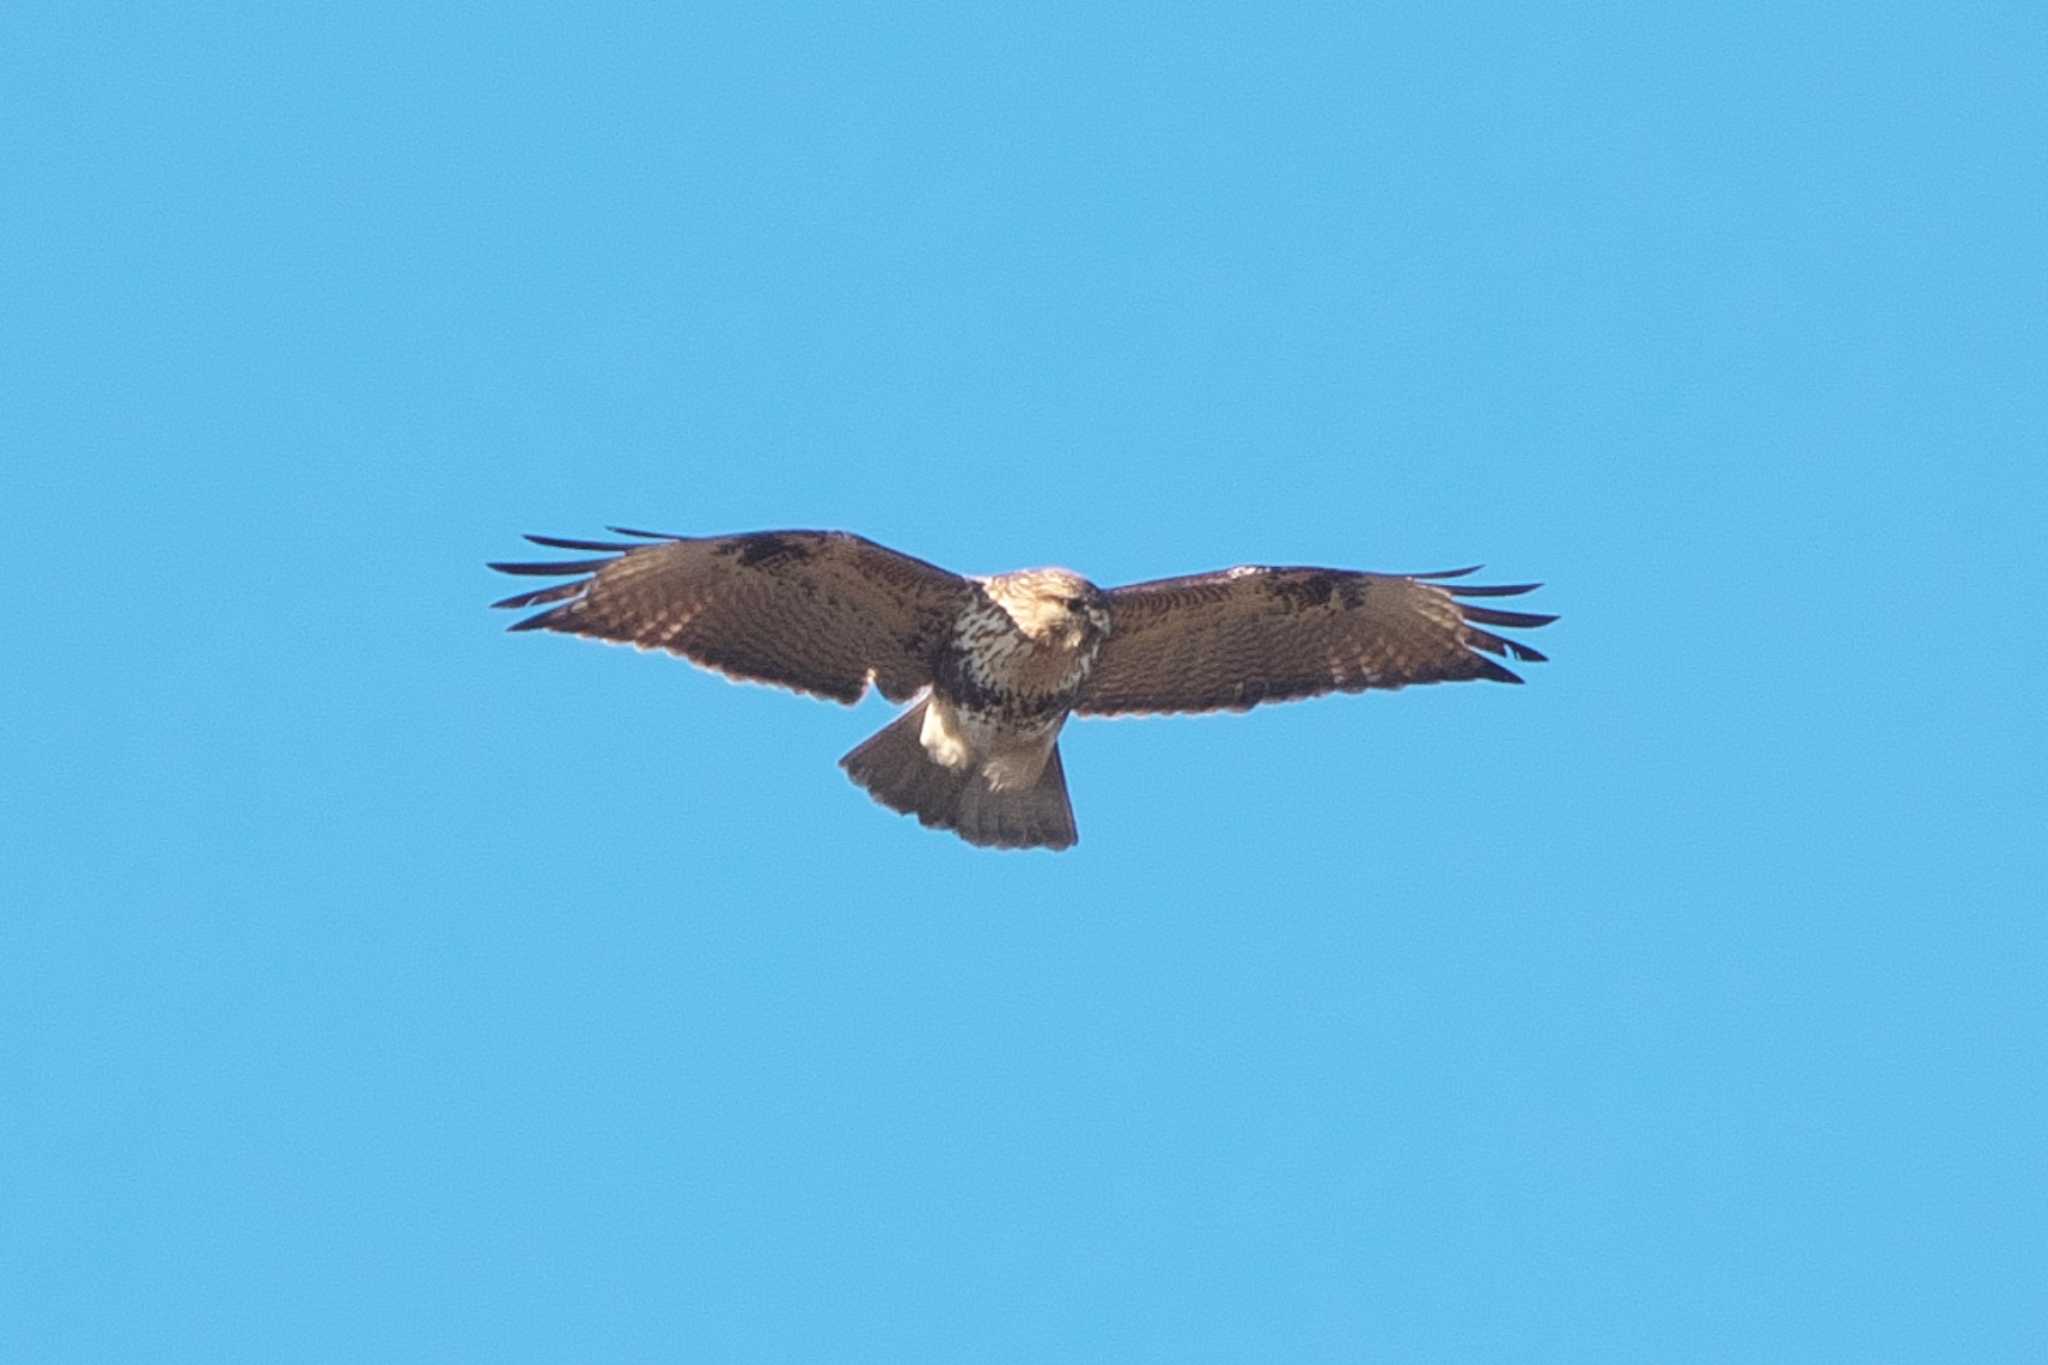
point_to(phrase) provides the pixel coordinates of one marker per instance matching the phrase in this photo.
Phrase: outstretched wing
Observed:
(817, 611)
(1230, 640)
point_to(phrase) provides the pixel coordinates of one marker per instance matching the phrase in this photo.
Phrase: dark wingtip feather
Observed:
(1450, 573)
(539, 595)
(1494, 672)
(1491, 590)
(1513, 620)
(644, 535)
(562, 543)
(539, 621)
(559, 569)
(1488, 642)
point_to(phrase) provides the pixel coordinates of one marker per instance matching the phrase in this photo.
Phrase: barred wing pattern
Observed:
(1230, 640)
(816, 611)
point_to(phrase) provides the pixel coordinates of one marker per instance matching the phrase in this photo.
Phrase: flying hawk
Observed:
(995, 665)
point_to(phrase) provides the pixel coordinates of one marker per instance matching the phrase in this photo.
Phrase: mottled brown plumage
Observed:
(997, 664)
(1230, 640)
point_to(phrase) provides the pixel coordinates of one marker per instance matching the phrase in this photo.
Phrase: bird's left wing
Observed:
(818, 611)
(1230, 640)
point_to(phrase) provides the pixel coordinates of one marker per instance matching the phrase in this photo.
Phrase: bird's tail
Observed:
(894, 767)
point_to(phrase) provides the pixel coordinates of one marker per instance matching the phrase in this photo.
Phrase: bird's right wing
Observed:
(817, 611)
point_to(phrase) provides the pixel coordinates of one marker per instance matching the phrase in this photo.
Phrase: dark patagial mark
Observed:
(1312, 589)
(766, 549)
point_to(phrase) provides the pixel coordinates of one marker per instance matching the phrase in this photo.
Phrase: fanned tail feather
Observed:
(895, 769)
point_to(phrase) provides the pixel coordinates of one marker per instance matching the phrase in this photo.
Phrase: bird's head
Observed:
(1054, 606)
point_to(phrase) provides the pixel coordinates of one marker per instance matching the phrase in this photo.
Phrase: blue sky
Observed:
(377, 986)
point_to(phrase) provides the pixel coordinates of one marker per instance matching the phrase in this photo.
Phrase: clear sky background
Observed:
(377, 986)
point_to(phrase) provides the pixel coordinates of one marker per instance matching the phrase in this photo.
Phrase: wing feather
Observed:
(821, 612)
(1230, 640)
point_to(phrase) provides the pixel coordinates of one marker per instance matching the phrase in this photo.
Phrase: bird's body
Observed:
(996, 665)
(1012, 670)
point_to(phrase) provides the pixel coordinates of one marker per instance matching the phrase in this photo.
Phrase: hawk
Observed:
(994, 666)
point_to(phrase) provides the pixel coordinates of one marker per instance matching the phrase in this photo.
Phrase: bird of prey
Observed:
(994, 666)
